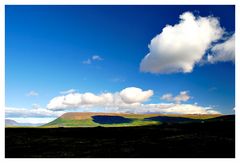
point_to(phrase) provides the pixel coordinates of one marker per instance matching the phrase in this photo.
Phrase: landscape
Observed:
(125, 135)
(120, 81)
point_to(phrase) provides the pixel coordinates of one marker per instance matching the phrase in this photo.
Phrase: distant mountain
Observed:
(91, 119)
(12, 123)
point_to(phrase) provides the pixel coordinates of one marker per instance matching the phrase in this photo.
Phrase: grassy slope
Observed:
(85, 119)
(60, 122)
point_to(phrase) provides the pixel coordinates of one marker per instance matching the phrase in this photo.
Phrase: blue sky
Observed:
(48, 50)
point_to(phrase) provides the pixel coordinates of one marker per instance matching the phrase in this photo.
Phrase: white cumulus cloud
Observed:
(32, 93)
(183, 96)
(129, 95)
(135, 95)
(128, 100)
(223, 52)
(167, 97)
(179, 47)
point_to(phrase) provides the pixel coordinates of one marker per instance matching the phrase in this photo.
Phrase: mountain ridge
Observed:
(13, 123)
(94, 119)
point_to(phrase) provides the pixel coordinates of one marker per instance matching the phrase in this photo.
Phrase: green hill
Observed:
(89, 119)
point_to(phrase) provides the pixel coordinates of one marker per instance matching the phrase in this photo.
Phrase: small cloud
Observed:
(32, 93)
(92, 59)
(167, 97)
(183, 96)
(68, 91)
(87, 62)
(97, 58)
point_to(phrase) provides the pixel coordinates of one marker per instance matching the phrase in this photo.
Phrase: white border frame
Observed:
(112, 2)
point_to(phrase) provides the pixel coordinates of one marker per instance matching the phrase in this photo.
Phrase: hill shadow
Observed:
(166, 119)
(103, 119)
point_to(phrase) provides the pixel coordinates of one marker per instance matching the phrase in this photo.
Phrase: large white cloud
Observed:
(127, 96)
(223, 52)
(128, 100)
(135, 95)
(179, 47)
(183, 96)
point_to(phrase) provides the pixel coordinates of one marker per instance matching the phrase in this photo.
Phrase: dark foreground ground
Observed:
(212, 139)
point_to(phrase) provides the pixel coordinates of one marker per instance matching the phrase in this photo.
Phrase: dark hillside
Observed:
(211, 139)
(166, 119)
